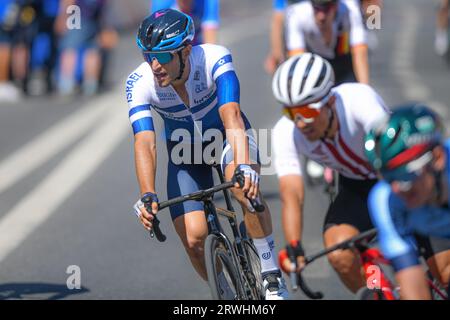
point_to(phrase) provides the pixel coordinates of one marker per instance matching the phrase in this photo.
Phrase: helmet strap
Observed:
(182, 65)
(330, 122)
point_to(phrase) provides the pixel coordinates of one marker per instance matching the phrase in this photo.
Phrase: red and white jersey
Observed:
(358, 108)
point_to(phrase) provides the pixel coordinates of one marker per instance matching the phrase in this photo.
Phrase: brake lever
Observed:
(255, 203)
(155, 230)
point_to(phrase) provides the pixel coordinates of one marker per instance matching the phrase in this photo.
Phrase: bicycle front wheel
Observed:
(255, 279)
(223, 277)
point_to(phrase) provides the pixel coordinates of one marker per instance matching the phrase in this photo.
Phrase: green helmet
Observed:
(323, 2)
(400, 146)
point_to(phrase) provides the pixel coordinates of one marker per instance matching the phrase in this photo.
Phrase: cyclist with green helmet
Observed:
(411, 202)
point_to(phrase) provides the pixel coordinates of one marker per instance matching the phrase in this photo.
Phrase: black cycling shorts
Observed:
(350, 205)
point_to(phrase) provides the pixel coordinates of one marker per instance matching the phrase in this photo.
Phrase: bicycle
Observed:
(328, 177)
(237, 258)
(379, 287)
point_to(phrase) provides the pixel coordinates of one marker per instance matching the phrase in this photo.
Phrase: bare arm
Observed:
(145, 160)
(230, 114)
(235, 133)
(413, 284)
(360, 59)
(276, 54)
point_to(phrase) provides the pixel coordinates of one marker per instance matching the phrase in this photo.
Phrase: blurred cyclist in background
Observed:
(442, 26)
(334, 30)
(82, 46)
(410, 206)
(204, 13)
(277, 52)
(8, 17)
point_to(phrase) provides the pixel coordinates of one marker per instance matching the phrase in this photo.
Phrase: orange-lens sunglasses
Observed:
(303, 112)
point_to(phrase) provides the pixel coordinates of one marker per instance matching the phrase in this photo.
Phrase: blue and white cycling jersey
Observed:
(212, 83)
(396, 223)
(205, 14)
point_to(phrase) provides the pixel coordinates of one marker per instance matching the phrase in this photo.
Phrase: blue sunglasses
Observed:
(162, 57)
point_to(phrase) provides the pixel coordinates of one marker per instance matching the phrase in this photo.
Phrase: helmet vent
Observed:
(290, 75)
(306, 73)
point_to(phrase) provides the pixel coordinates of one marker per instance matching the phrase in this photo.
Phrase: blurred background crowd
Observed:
(42, 50)
(49, 46)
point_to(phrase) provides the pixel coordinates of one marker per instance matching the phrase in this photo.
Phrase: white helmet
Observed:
(302, 79)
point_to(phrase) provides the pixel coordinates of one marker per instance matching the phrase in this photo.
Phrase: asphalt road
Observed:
(67, 180)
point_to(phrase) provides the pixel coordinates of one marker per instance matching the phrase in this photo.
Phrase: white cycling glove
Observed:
(248, 172)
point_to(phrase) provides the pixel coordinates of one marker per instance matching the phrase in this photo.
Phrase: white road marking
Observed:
(44, 201)
(79, 165)
(43, 147)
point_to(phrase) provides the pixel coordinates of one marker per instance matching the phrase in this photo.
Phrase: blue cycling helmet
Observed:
(165, 30)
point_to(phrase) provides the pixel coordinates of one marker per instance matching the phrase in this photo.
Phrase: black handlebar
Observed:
(360, 241)
(200, 195)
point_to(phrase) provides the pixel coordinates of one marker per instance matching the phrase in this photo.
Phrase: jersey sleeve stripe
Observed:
(392, 244)
(220, 64)
(145, 107)
(222, 70)
(140, 115)
(228, 89)
(143, 124)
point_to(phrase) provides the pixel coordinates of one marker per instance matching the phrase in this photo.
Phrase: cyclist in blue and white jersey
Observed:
(410, 206)
(205, 14)
(195, 90)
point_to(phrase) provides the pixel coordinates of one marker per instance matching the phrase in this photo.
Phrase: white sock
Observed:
(265, 248)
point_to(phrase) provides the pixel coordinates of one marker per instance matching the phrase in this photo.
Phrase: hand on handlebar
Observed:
(250, 185)
(292, 258)
(146, 209)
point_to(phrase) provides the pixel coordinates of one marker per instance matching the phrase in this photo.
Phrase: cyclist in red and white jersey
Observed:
(328, 125)
(334, 30)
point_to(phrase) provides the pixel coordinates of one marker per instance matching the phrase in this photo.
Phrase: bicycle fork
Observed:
(369, 259)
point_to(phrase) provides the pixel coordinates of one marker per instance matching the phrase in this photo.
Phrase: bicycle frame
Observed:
(369, 258)
(238, 256)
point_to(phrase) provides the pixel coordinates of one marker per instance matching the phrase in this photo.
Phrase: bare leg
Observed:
(192, 230)
(345, 262)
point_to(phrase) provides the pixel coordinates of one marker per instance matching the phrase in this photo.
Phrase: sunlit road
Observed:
(67, 180)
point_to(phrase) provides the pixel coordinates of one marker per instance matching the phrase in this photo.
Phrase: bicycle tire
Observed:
(216, 251)
(365, 293)
(254, 262)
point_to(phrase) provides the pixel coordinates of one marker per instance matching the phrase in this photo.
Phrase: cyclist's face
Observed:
(325, 15)
(315, 129)
(418, 192)
(422, 190)
(166, 73)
